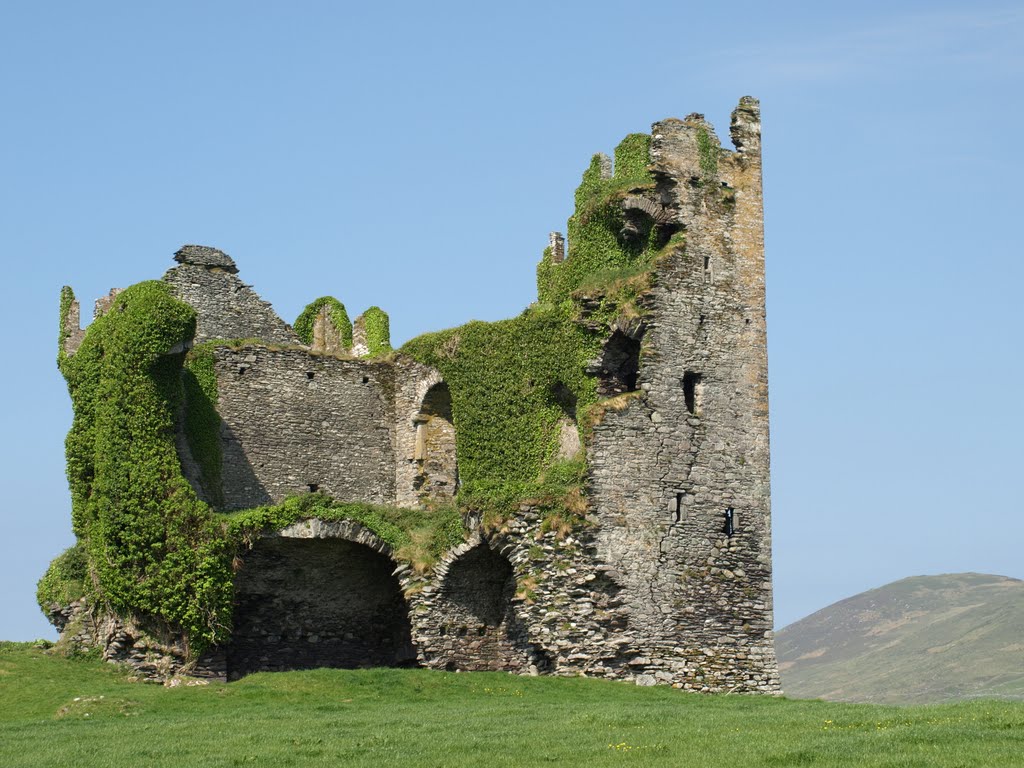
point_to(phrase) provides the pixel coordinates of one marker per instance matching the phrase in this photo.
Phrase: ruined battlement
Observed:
(583, 489)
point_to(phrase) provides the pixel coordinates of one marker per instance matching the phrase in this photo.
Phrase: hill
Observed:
(919, 640)
(57, 711)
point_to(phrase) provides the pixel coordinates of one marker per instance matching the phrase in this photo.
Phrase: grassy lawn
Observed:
(61, 712)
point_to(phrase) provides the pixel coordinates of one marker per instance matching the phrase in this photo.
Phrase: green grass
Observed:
(56, 711)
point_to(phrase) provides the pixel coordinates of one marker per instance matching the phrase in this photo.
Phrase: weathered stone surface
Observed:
(226, 307)
(204, 256)
(657, 588)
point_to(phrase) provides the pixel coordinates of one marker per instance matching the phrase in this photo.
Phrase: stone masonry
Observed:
(671, 581)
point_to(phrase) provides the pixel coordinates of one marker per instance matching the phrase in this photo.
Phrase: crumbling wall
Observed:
(694, 443)
(226, 308)
(295, 423)
(426, 468)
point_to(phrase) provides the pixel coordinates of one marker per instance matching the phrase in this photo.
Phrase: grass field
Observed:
(64, 712)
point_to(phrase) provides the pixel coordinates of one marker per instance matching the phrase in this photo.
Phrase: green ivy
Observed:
(303, 325)
(65, 580)
(153, 547)
(633, 156)
(503, 379)
(377, 326)
(708, 150)
(595, 242)
(202, 422)
(67, 298)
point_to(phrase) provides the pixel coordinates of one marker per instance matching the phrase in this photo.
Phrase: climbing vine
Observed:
(67, 298)
(708, 150)
(202, 422)
(377, 326)
(65, 580)
(337, 314)
(152, 546)
(595, 230)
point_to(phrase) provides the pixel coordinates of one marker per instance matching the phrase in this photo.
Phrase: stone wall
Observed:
(693, 441)
(304, 601)
(226, 307)
(293, 422)
(655, 587)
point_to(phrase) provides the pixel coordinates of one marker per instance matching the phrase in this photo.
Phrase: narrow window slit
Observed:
(691, 387)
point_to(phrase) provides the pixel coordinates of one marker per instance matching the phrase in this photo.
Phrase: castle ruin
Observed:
(655, 567)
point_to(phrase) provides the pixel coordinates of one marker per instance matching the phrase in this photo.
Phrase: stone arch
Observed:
(437, 475)
(318, 594)
(472, 623)
(641, 214)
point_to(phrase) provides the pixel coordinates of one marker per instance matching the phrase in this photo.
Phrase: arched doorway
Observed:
(436, 478)
(474, 626)
(302, 603)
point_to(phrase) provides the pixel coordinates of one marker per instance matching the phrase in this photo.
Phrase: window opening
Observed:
(691, 382)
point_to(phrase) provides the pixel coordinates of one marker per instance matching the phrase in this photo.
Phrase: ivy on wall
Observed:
(65, 579)
(202, 422)
(378, 331)
(595, 242)
(153, 547)
(509, 379)
(337, 314)
(149, 546)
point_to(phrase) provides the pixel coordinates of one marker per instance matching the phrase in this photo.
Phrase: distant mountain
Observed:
(918, 640)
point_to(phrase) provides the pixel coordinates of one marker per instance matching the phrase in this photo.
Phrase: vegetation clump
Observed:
(336, 313)
(377, 326)
(65, 580)
(417, 537)
(152, 545)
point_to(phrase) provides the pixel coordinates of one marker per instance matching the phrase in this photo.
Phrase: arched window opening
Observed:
(437, 477)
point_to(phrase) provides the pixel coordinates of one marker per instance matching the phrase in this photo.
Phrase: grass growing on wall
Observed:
(416, 536)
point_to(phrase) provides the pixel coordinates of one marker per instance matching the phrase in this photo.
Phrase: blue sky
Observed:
(416, 155)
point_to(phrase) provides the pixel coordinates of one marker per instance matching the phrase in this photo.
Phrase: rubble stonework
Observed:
(669, 579)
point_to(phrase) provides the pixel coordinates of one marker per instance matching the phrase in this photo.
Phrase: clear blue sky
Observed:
(415, 156)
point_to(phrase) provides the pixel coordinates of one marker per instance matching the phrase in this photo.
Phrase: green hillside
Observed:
(62, 712)
(918, 640)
